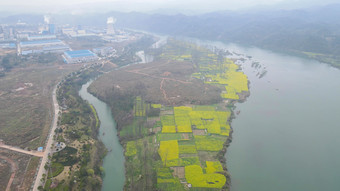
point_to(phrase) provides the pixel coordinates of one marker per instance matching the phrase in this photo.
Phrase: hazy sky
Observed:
(148, 5)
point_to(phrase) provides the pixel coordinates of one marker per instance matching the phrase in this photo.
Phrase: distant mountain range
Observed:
(313, 32)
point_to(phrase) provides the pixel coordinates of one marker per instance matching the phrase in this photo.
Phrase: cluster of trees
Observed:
(8, 62)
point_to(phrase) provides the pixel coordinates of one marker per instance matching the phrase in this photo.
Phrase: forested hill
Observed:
(313, 32)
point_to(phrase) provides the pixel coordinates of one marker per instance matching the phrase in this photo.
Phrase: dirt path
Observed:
(163, 91)
(34, 153)
(138, 71)
(14, 170)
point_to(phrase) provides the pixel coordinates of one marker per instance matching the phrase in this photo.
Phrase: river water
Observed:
(286, 136)
(114, 160)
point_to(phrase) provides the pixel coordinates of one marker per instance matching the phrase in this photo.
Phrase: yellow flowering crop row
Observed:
(213, 166)
(225, 74)
(187, 149)
(156, 105)
(202, 117)
(183, 161)
(168, 129)
(164, 173)
(208, 143)
(182, 119)
(140, 107)
(194, 175)
(168, 150)
(131, 148)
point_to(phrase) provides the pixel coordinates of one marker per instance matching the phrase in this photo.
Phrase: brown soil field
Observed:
(23, 176)
(25, 104)
(166, 82)
(5, 173)
(178, 171)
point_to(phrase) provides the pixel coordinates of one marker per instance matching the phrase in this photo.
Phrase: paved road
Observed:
(34, 153)
(42, 170)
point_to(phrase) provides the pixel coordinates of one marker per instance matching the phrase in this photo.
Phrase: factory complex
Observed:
(79, 56)
(41, 46)
(50, 38)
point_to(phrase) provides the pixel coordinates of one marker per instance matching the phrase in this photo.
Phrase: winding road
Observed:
(47, 152)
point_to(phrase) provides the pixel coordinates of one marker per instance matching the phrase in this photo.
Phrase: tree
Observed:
(90, 172)
(6, 63)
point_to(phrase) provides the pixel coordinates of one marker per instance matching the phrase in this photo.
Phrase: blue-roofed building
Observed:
(79, 56)
(40, 42)
(41, 37)
(42, 46)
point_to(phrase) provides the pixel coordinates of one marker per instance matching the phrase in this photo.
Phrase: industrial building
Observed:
(79, 56)
(51, 29)
(41, 37)
(41, 46)
(7, 45)
(105, 51)
(76, 33)
(40, 43)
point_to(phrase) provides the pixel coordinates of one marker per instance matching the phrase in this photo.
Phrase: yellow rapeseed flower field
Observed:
(194, 175)
(213, 166)
(168, 150)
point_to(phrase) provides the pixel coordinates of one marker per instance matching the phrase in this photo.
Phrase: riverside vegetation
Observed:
(78, 166)
(173, 117)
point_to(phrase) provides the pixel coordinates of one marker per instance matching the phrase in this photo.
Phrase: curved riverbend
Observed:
(114, 160)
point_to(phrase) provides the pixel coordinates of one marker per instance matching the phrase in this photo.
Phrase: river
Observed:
(114, 160)
(286, 136)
